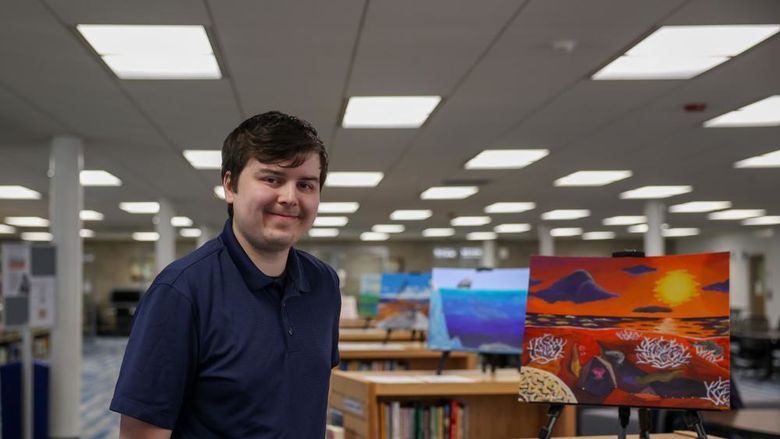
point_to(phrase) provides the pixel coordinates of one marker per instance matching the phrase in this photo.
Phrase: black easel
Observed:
(553, 413)
(624, 415)
(694, 422)
(491, 360)
(388, 331)
(367, 324)
(442, 361)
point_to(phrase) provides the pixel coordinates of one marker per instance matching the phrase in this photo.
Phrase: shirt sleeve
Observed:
(335, 358)
(160, 360)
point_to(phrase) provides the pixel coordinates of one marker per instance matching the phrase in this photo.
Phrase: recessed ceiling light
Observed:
(388, 228)
(338, 207)
(680, 232)
(763, 113)
(141, 207)
(438, 232)
(13, 192)
(470, 221)
(330, 221)
(655, 192)
(87, 233)
(481, 236)
(592, 178)
(566, 231)
(639, 228)
(623, 220)
(449, 192)
(219, 192)
(37, 236)
(98, 178)
(6, 229)
(736, 214)
(410, 215)
(181, 221)
(566, 214)
(768, 160)
(505, 158)
(510, 207)
(699, 206)
(204, 158)
(193, 232)
(374, 236)
(323, 232)
(512, 228)
(353, 179)
(682, 52)
(388, 111)
(90, 215)
(27, 221)
(153, 51)
(595, 236)
(762, 221)
(146, 236)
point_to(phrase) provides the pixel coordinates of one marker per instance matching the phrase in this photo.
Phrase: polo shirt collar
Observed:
(255, 279)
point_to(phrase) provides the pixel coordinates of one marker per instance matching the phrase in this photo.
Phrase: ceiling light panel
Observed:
(597, 236)
(37, 236)
(472, 221)
(323, 232)
(374, 236)
(768, 160)
(98, 178)
(204, 158)
(90, 215)
(655, 192)
(338, 207)
(438, 232)
(192, 232)
(6, 229)
(27, 221)
(353, 179)
(449, 192)
(87, 233)
(388, 228)
(624, 220)
(592, 178)
(181, 221)
(140, 207)
(565, 214)
(699, 206)
(510, 207)
(410, 215)
(680, 232)
(566, 231)
(13, 192)
(481, 236)
(762, 221)
(330, 221)
(512, 228)
(146, 236)
(763, 113)
(736, 214)
(639, 228)
(219, 192)
(388, 111)
(505, 158)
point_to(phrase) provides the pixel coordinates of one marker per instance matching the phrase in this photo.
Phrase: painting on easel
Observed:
(403, 301)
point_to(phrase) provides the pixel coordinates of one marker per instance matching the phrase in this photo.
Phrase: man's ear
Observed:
(227, 186)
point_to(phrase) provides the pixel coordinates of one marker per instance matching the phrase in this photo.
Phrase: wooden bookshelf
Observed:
(375, 334)
(415, 354)
(359, 323)
(491, 401)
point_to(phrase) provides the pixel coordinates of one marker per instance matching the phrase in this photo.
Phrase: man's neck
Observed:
(271, 263)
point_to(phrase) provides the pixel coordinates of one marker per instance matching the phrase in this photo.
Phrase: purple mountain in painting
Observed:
(578, 287)
(533, 282)
(653, 309)
(722, 287)
(639, 269)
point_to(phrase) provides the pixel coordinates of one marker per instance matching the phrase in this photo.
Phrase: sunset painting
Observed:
(633, 331)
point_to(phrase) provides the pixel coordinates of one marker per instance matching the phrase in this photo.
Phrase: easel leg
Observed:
(645, 423)
(442, 361)
(694, 422)
(553, 413)
(624, 414)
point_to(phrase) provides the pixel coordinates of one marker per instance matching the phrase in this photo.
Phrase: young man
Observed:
(237, 339)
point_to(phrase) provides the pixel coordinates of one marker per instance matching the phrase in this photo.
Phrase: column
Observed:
(488, 254)
(207, 233)
(546, 241)
(165, 247)
(654, 238)
(66, 199)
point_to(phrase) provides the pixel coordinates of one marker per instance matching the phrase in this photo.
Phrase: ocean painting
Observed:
(403, 301)
(641, 332)
(478, 310)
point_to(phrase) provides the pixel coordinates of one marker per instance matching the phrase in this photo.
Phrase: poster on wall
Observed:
(641, 332)
(403, 301)
(28, 285)
(478, 310)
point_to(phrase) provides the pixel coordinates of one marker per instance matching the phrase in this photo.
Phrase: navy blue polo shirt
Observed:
(214, 352)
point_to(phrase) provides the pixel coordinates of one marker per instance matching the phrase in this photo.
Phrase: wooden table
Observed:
(415, 354)
(752, 422)
(375, 334)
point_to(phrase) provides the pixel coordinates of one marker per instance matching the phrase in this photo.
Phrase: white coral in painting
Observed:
(707, 354)
(718, 392)
(661, 354)
(546, 348)
(628, 334)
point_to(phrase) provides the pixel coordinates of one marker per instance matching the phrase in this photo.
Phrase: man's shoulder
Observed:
(193, 264)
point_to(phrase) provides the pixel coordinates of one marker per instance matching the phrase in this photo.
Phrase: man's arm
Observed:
(131, 428)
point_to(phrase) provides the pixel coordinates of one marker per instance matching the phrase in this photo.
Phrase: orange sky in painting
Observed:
(634, 290)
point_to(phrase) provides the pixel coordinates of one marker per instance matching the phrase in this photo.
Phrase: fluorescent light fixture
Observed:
(597, 236)
(510, 207)
(439, 232)
(699, 206)
(566, 214)
(323, 232)
(153, 51)
(762, 221)
(192, 232)
(763, 113)
(98, 178)
(87, 233)
(768, 160)
(6, 229)
(140, 207)
(388, 228)
(338, 207)
(27, 221)
(736, 214)
(219, 192)
(204, 158)
(374, 236)
(505, 158)
(680, 232)
(682, 52)
(146, 236)
(13, 192)
(639, 228)
(410, 215)
(512, 228)
(655, 192)
(330, 221)
(90, 215)
(566, 231)
(470, 221)
(181, 221)
(37, 236)
(592, 178)
(353, 179)
(449, 192)
(623, 220)
(481, 236)
(388, 111)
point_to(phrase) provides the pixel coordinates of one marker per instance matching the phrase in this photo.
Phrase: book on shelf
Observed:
(334, 432)
(374, 365)
(438, 419)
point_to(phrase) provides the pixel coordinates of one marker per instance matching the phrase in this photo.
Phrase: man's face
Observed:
(274, 205)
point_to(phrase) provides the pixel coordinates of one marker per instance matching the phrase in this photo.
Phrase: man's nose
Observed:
(287, 193)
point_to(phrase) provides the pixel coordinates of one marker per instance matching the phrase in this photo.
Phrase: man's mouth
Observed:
(285, 215)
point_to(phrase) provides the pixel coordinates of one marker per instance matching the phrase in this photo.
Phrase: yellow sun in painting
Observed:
(676, 288)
